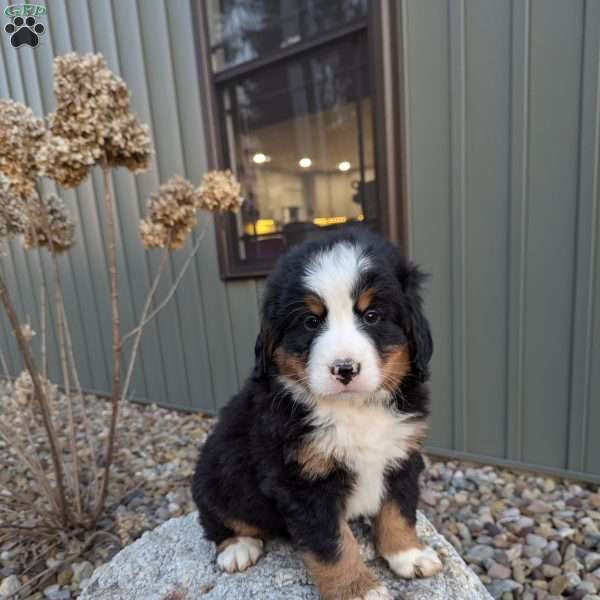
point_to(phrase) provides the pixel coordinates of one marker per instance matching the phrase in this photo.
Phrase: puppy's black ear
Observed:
(263, 350)
(415, 323)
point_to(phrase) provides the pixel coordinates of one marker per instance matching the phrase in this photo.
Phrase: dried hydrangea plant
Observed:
(22, 137)
(220, 191)
(92, 122)
(51, 225)
(12, 217)
(24, 392)
(171, 215)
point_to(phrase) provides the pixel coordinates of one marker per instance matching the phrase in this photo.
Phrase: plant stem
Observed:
(61, 321)
(40, 397)
(44, 331)
(139, 330)
(4, 365)
(145, 320)
(116, 335)
(84, 415)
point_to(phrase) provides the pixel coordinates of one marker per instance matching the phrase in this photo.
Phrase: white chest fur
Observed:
(369, 440)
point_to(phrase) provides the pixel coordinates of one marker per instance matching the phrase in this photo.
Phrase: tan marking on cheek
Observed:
(290, 365)
(364, 300)
(315, 305)
(393, 533)
(395, 366)
(314, 463)
(347, 577)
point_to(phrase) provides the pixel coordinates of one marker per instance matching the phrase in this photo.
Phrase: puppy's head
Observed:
(344, 316)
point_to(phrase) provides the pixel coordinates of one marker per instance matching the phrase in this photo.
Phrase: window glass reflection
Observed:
(241, 30)
(300, 139)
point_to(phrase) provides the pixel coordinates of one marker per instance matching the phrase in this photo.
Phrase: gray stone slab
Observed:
(176, 562)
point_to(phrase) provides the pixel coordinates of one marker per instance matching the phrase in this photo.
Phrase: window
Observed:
(295, 114)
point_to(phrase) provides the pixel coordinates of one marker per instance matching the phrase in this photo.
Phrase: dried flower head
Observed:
(92, 120)
(51, 225)
(12, 216)
(27, 332)
(66, 161)
(219, 191)
(22, 135)
(23, 390)
(171, 215)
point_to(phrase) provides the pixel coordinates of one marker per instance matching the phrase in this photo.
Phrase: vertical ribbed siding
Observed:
(192, 356)
(503, 160)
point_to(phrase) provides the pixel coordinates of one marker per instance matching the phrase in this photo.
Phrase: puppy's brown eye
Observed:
(311, 323)
(371, 317)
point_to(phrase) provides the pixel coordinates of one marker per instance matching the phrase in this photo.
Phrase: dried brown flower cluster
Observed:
(24, 390)
(92, 121)
(50, 225)
(172, 211)
(171, 215)
(12, 217)
(22, 136)
(220, 191)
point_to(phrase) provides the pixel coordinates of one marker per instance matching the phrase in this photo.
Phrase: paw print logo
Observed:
(24, 31)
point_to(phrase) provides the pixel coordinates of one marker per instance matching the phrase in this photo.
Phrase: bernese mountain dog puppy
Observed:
(329, 425)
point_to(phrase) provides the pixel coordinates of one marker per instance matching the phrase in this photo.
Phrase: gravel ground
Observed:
(526, 536)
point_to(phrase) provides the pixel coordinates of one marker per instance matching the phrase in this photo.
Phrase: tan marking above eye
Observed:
(364, 300)
(315, 305)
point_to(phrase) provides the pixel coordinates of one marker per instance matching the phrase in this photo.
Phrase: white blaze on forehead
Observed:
(333, 275)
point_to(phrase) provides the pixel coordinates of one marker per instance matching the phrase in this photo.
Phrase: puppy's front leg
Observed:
(342, 575)
(395, 525)
(315, 521)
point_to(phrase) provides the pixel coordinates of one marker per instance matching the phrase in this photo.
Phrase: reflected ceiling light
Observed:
(305, 162)
(259, 158)
(344, 166)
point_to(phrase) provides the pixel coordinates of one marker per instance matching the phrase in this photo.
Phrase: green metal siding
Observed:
(503, 117)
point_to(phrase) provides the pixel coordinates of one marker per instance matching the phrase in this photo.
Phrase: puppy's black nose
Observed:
(345, 369)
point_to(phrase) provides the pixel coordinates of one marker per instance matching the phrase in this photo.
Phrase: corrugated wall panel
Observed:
(586, 389)
(487, 49)
(503, 120)
(556, 34)
(425, 25)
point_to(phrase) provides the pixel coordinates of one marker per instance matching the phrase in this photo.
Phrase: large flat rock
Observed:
(176, 562)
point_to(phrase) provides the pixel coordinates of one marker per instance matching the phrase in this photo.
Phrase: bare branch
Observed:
(116, 334)
(4, 365)
(61, 317)
(40, 397)
(140, 329)
(172, 290)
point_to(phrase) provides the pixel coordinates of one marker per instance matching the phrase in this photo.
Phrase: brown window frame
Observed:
(384, 30)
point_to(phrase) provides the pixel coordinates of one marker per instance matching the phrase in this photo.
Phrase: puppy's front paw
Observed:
(240, 554)
(378, 593)
(416, 562)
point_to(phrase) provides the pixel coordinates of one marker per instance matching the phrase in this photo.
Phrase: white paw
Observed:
(379, 593)
(240, 555)
(417, 562)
